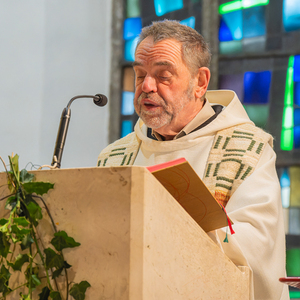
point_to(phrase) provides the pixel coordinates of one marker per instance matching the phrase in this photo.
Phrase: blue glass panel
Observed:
(297, 117)
(127, 103)
(189, 22)
(224, 32)
(297, 137)
(132, 28)
(130, 46)
(164, 6)
(234, 21)
(257, 87)
(254, 23)
(231, 47)
(297, 93)
(297, 66)
(126, 127)
(291, 15)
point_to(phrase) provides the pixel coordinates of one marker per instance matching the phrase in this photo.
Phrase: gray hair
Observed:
(195, 50)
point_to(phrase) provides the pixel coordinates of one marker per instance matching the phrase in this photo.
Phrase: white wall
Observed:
(51, 51)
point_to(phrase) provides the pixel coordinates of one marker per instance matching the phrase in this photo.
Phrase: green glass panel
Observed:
(133, 8)
(288, 117)
(295, 190)
(287, 139)
(293, 262)
(294, 294)
(289, 86)
(230, 6)
(251, 3)
(240, 4)
(231, 47)
(195, 1)
(258, 114)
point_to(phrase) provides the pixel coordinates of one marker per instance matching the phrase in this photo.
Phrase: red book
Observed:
(183, 183)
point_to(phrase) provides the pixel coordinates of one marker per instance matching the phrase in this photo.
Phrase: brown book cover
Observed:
(183, 183)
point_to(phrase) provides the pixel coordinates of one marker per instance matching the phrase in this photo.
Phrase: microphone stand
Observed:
(99, 100)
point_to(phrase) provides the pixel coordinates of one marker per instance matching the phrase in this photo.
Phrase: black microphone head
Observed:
(100, 100)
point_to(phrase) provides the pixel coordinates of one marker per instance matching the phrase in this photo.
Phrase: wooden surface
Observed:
(137, 242)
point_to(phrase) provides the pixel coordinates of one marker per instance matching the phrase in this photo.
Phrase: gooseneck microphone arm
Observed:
(99, 100)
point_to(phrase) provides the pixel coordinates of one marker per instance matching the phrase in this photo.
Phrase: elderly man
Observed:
(179, 118)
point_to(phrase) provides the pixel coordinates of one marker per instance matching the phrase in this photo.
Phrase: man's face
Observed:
(164, 89)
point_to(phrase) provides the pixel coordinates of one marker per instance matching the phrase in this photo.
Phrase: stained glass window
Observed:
(164, 6)
(290, 134)
(291, 15)
(241, 21)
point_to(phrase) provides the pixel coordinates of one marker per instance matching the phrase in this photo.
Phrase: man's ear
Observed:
(203, 78)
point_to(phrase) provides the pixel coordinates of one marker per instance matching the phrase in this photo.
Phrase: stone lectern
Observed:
(137, 242)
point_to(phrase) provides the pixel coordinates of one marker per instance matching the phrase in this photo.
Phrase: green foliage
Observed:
(78, 290)
(19, 243)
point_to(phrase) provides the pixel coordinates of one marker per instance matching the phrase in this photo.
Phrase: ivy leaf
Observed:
(53, 259)
(39, 188)
(11, 203)
(35, 212)
(14, 165)
(35, 281)
(62, 241)
(4, 277)
(20, 233)
(57, 272)
(3, 224)
(4, 245)
(20, 261)
(26, 241)
(25, 176)
(44, 294)
(78, 290)
(21, 221)
(55, 295)
(4, 273)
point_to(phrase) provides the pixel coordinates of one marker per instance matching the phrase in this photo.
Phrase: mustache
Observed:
(153, 97)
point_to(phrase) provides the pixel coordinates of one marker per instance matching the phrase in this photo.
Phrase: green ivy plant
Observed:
(20, 246)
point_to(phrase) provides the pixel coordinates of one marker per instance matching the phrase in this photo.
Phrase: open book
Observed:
(183, 183)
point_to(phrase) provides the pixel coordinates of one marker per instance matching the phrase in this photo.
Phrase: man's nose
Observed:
(149, 85)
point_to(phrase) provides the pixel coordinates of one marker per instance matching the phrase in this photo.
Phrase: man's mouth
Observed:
(149, 103)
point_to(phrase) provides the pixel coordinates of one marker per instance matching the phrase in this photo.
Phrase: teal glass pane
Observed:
(291, 15)
(234, 21)
(258, 114)
(132, 28)
(164, 6)
(254, 23)
(133, 8)
(230, 47)
(127, 127)
(257, 87)
(130, 46)
(189, 22)
(195, 1)
(127, 103)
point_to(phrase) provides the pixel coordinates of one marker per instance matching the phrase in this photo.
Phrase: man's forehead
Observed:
(162, 53)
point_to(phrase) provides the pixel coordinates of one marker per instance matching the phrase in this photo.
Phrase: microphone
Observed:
(99, 99)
